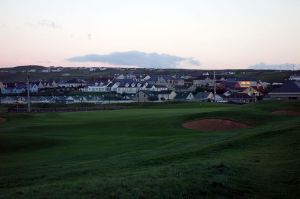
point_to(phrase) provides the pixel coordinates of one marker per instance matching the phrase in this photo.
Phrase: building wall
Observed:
(295, 96)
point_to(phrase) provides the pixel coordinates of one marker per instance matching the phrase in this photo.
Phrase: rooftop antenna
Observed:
(28, 94)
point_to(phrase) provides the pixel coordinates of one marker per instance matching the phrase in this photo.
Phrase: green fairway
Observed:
(144, 152)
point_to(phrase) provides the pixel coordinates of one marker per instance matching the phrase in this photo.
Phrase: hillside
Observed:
(66, 73)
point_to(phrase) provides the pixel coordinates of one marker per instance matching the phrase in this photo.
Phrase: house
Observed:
(95, 87)
(295, 77)
(151, 87)
(21, 100)
(184, 88)
(184, 96)
(112, 86)
(14, 88)
(39, 99)
(166, 80)
(120, 77)
(166, 95)
(34, 88)
(159, 88)
(253, 91)
(147, 77)
(242, 82)
(203, 96)
(179, 81)
(240, 98)
(73, 83)
(127, 86)
(203, 82)
(9, 100)
(151, 96)
(290, 90)
(147, 96)
(218, 98)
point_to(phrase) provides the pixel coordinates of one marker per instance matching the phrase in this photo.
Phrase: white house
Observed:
(97, 87)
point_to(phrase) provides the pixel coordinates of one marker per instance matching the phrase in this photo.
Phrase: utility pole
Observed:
(215, 89)
(28, 94)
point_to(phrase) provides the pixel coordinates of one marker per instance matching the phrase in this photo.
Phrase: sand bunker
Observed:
(2, 120)
(214, 125)
(285, 112)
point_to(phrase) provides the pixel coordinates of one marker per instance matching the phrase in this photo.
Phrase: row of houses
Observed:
(35, 87)
(148, 96)
(141, 97)
(162, 88)
(72, 99)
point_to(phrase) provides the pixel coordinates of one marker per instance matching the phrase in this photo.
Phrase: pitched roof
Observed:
(239, 96)
(288, 87)
(156, 93)
(202, 95)
(182, 95)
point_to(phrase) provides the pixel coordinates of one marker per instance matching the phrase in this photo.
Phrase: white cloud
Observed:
(136, 58)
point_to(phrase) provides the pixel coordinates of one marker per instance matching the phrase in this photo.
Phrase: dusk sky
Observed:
(160, 33)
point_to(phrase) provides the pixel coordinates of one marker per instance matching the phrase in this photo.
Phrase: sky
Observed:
(204, 34)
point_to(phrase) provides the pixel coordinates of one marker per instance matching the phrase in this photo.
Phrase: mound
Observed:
(214, 125)
(285, 112)
(2, 120)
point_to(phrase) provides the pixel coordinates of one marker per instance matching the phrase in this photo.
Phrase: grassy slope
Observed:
(145, 153)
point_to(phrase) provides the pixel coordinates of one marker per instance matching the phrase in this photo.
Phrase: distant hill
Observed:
(263, 66)
(18, 74)
(29, 67)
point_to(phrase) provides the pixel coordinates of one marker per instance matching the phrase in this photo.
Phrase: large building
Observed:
(290, 90)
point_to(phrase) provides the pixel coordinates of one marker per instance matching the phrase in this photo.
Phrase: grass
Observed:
(143, 152)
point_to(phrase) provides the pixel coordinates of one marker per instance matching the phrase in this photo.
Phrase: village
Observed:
(141, 88)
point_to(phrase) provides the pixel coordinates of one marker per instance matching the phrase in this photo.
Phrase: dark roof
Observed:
(150, 93)
(202, 95)
(230, 84)
(288, 87)
(149, 86)
(155, 93)
(165, 92)
(180, 87)
(181, 95)
(110, 84)
(160, 86)
(240, 79)
(239, 96)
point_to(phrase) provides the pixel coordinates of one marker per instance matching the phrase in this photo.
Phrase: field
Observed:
(144, 152)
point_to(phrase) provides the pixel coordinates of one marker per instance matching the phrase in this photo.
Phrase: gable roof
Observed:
(182, 95)
(288, 87)
(202, 95)
(239, 96)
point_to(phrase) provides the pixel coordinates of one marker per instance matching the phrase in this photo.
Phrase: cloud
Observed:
(49, 24)
(194, 61)
(136, 58)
